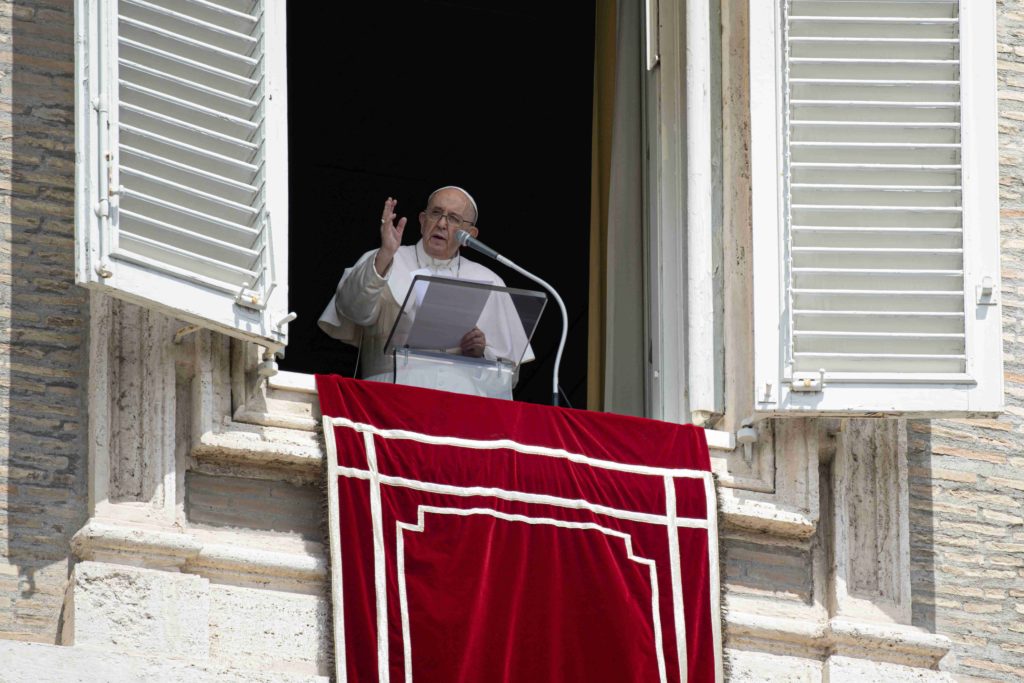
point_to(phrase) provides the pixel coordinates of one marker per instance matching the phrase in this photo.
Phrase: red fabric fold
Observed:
(511, 542)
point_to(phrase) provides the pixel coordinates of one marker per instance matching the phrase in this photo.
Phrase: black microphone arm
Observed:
(465, 239)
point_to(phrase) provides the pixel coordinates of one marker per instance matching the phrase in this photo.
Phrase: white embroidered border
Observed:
(675, 565)
(334, 524)
(520, 497)
(496, 444)
(379, 561)
(466, 512)
(714, 578)
(671, 520)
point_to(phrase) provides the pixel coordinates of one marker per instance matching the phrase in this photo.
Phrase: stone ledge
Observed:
(162, 549)
(261, 446)
(756, 515)
(859, 639)
(34, 662)
(269, 418)
(893, 643)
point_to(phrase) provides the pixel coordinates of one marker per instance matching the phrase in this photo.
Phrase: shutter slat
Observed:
(167, 254)
(226, 252)
(853, 207)
(193, 88)
(211, 203)
(154, 124)
(195, 21)
(181, 65)
(221, 120)
(198, 175)
(825, 334)
(847, 125)
(185, 153)
(847, 20)
(875, 104)
(239, 63)
(171, 212)
(876, 251)
(879, 188)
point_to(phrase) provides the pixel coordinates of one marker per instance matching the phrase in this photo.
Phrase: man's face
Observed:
(439, 232)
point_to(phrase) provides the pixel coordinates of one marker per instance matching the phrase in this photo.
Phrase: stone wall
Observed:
(42, 319)
(967, 477)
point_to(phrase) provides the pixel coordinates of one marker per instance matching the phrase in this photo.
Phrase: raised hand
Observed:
(473, 343)
(390, 236)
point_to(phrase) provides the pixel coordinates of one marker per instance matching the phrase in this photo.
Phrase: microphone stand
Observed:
(465, 239)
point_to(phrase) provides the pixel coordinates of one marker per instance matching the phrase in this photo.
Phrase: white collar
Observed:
(425, 260)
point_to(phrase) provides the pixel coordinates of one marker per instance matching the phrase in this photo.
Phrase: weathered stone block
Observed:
(140, 611)
(268, 629)
(851, 670)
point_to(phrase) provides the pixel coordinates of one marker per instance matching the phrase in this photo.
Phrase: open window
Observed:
(184, 183)
(875, 204)
(496, 98)
(181, 178)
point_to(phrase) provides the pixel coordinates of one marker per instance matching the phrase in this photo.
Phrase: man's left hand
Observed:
(473, 343)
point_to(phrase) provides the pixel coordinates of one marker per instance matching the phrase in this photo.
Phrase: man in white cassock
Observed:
(370, 294)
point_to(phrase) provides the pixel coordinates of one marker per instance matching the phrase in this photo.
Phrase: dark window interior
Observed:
(401, 97)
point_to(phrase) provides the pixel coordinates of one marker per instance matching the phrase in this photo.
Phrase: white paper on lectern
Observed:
(445, 314)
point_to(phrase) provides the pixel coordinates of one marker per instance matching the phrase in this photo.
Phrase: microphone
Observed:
(467, 240)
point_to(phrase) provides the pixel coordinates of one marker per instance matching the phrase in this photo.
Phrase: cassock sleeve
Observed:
(356, 302)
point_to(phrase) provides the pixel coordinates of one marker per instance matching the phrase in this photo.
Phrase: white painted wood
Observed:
(875, 206)
(182, 172)
(703, 317)
(766, 191)
(667, 381)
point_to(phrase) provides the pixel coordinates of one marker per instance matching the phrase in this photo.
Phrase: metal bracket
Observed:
(249, 298)
(986, 292)
(185, 331)
(810, 382)
(746, 436)
(268, 366)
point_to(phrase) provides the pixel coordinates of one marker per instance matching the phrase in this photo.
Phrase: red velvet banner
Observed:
(479, 540)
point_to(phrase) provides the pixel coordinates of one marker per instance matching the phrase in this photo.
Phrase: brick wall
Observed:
(263, 505)
(967, 477)
(42, 319)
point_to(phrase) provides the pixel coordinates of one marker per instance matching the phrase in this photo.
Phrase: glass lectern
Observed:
(439, 311)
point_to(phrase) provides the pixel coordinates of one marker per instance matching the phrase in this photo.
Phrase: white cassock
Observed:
(366, 305)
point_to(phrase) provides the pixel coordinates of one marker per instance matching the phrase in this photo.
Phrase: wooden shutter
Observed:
(876, 207)
(183, 180)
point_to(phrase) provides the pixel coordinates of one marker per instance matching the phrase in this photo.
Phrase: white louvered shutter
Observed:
(182, 168)
(875, 206)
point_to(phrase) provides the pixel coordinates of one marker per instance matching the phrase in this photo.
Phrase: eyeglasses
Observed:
(455, 221)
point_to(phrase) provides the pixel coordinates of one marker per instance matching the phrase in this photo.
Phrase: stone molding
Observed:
(34, 662)
(156, 548)
(821, 638)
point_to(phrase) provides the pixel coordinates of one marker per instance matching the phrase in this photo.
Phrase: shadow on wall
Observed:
(42, 378)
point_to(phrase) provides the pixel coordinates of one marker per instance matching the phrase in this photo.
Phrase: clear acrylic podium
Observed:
(439, 311)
